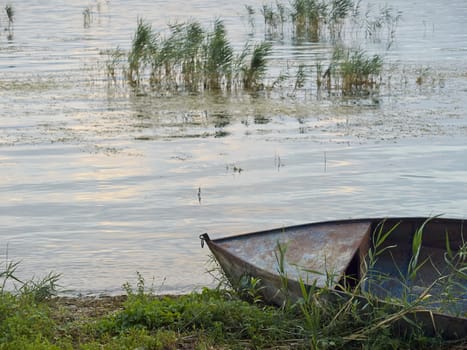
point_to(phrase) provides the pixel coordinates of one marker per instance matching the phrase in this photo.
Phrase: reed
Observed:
(193, 59)
(318, 20)
(87, 17)
(308, 17)
(10, 13)
(113, 64)
(190, 58)
(339, 11)
(143, 45)
(251, 13)
(275, 16)
(300, 77)
(254, 72)
(386, 19)
(219, 58)
(356, 73)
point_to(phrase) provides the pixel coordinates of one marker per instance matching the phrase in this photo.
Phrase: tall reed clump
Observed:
(317, 20)
(353, 72)
(219, 56)
(275, 18)
(310, 18)
(254, 71)
(142, 49)
(193, 59)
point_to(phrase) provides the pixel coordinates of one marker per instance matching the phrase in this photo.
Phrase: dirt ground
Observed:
(80, 308)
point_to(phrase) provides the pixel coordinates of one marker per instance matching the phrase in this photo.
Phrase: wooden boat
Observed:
(378, 256)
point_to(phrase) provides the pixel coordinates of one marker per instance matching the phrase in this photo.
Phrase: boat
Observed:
(416, 258)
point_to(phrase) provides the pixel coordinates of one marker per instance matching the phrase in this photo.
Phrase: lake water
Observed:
(98, 183)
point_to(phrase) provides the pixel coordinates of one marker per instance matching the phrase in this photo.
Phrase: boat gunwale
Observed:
(372, 220)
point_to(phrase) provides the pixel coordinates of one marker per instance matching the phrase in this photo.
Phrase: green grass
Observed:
(33, 317)
(216, 318)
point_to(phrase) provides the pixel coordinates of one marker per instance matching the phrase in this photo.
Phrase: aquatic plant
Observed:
(387, 17)
(300, 77)
(253, 72)
(193, 59)
(113, 64)
(251, 12)
(218, 59)
(339, 10)
(270, 19)
(10, 12)
(308, 17)
(143, 45)
(87, 17)
(275, 16)
(354, 72)
(318, 20)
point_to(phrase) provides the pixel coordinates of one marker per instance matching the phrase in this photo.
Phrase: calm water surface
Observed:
(98, 183)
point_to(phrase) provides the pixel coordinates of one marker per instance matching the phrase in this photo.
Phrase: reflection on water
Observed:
(98, 183)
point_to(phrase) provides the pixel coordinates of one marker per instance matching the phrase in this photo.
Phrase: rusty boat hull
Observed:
(332, 254)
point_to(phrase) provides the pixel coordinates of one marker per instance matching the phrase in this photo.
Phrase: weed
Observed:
(274, 18)
(300, 77)
(10, 12)
(8, 274)
(87, 17)
(41, 289)
(219, 57)
(251, 12)
(192, 59)
(253, 72)
(387, 17)
(358, 73)
(141, 50)
(113, 63)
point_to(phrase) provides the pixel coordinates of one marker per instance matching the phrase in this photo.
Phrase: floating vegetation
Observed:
(233, 168)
